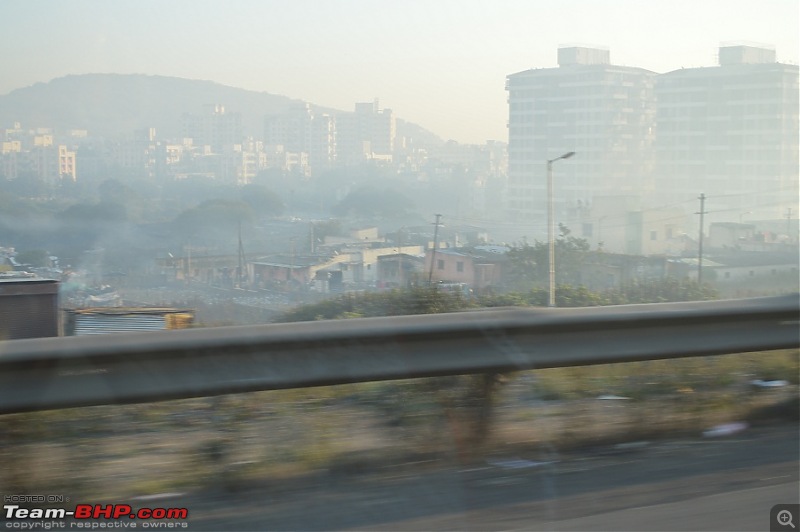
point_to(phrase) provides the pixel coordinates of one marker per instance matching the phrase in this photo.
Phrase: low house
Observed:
(603, 271)
(476, 268)
(399, 270)
(290, 271)
(744, 266)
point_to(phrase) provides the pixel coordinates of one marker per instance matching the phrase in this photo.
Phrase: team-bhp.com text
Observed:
(124, 516)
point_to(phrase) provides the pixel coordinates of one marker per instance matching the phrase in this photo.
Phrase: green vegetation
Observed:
(529, 264)
(262, 200)
(430, 300)
(370, 304)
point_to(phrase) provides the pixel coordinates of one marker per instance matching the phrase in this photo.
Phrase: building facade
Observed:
(299, 130)
(604, 113)
(731, 132)
(368, 133)
(213, 127)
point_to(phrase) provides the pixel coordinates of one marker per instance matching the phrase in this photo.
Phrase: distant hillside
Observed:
(113, 104)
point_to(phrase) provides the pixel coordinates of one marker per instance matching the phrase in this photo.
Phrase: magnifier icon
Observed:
(785, 518)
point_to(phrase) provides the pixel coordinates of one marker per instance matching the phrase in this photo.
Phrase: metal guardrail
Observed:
(49, 373)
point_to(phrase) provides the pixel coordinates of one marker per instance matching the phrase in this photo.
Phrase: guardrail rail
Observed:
(51, 373)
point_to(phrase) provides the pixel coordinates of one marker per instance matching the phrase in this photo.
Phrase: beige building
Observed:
(622, 224)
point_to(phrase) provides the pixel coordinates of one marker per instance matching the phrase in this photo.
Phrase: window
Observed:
(460, 266)
(440, 264)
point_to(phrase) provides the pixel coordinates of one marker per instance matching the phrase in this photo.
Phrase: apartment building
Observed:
(213, 127)
(34, 154)
(300, 130)
(604, 113)
(730, 131)
(368, 133)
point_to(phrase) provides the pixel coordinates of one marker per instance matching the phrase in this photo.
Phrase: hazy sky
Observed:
(439, 63)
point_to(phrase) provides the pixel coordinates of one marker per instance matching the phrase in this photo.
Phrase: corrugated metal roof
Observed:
(87, 324)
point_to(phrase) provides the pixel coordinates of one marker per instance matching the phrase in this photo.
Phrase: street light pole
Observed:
(551, 228)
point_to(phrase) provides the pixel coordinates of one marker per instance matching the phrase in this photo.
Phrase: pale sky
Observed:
(439, 63)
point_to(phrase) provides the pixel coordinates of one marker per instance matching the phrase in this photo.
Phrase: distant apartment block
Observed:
(34, 155)
(300, 130)
(603, 112)
(213, 127)
(730, 131)
(290, 128)
(366, 134)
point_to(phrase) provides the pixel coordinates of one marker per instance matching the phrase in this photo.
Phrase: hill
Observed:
(114, 104)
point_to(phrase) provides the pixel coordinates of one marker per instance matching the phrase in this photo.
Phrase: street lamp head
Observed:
(565, 156)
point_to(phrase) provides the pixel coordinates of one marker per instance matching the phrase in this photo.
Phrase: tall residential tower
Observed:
(730, 131)
(604, 113)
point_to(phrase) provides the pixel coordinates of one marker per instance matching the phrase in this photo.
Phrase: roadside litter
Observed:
(516, 463)
(768, 384)
(725, 430)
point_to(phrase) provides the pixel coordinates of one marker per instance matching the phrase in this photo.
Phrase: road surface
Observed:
(727, 483)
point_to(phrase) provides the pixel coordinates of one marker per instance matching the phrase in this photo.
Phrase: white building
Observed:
(300, 130)
(604, 113)
(213, 127)
(366, 134)
(731, 132)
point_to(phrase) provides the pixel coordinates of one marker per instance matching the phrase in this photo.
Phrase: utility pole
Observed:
(240, 269)
(702, 212)
(189, 264)
(291, 270)
(435, 245)
(400, 261)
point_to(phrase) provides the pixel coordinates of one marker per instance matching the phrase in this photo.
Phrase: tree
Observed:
(369, 201)
(213, 218)
(115, 192)
(529, 266)
(326, 229)
(262, 200)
